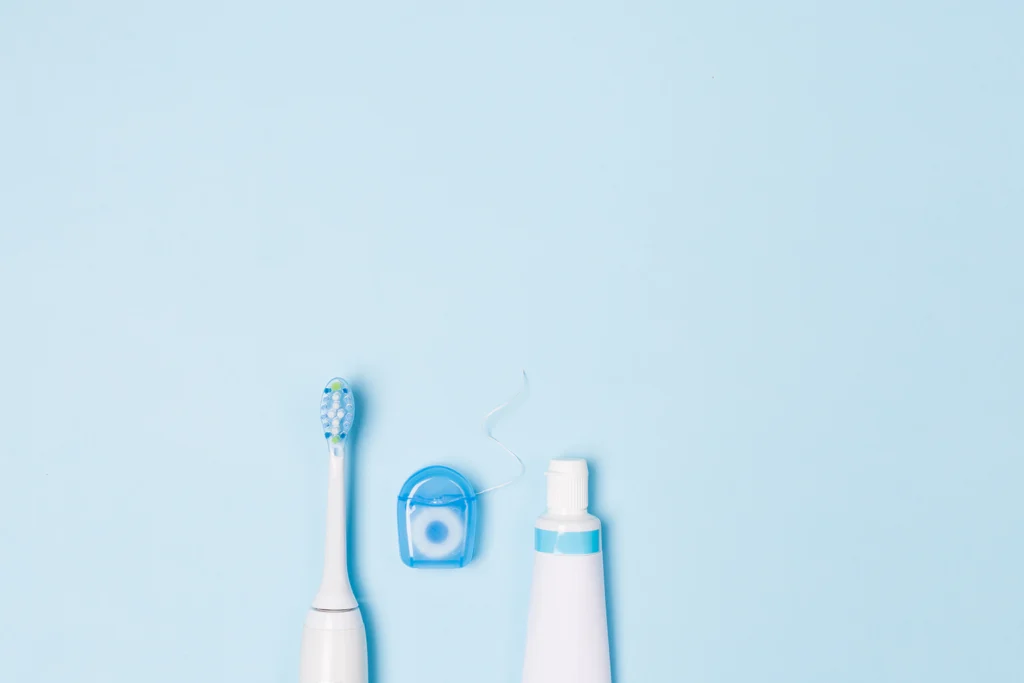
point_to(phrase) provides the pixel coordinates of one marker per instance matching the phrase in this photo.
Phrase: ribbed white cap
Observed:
(568, 479)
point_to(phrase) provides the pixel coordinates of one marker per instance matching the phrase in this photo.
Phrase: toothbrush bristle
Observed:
(337, 410)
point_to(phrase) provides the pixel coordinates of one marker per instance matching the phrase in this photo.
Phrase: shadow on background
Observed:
(607, 541)
(364, 406)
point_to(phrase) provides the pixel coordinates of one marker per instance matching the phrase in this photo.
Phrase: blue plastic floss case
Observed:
(436, 519)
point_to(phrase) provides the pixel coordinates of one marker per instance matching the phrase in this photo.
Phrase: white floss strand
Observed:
(487, 430)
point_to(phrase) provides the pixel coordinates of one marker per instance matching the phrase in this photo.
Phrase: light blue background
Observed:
(761, 260)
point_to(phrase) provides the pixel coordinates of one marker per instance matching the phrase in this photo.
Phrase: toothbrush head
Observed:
(337, 410)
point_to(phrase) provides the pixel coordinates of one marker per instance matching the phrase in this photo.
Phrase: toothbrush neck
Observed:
(335, 590)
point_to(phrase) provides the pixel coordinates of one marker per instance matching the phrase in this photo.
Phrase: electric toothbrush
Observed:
(334, 637)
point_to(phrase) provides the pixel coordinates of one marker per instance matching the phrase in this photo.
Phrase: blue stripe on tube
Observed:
(567, 543)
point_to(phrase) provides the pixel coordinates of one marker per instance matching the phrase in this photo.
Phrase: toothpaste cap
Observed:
(568, 480)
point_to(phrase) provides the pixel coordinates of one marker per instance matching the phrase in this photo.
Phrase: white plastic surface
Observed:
(568, 479)
(335, 590)
(333, 648)
(567, 631)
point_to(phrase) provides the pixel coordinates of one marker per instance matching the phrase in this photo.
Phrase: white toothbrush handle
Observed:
(334, 648)
(335, 590)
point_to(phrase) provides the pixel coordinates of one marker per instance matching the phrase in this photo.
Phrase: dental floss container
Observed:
(436, 519)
